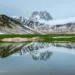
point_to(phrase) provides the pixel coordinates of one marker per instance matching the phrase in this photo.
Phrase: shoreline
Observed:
(19, 39)
(35, 39)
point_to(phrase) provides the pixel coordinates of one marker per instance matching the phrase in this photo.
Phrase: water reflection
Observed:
(38, 50)
(37, 58)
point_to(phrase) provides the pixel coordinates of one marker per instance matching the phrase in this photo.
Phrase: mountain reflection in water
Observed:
(38, 50)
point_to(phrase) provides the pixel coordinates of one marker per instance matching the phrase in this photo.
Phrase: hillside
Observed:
(11, 26)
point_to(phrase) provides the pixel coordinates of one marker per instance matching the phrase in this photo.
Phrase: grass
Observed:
(45, 37)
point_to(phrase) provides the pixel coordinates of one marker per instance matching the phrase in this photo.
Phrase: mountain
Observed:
(35, 17)
(35, 20)
(12, 26)
(44, 23)
(39, 22)
(62, 25)
(42, 15)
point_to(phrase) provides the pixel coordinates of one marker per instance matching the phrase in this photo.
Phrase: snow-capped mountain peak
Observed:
(42, 15)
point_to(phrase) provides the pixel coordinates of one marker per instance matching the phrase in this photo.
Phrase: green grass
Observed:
(45, 37)
(72, 39)
(33, 35)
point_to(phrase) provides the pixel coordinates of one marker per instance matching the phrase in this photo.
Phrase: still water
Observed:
(37, 58)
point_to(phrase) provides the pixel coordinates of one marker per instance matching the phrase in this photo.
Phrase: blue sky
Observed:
(59, 9)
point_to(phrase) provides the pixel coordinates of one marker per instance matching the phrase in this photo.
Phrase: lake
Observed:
(37, 58)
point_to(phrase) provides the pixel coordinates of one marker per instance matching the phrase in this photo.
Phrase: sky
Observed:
(58, 9)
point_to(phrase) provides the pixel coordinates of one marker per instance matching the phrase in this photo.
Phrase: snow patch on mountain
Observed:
(15, 17)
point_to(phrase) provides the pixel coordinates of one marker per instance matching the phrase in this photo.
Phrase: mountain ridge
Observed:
(33, 24)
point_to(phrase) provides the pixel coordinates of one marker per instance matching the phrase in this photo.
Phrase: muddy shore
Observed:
(19, 39)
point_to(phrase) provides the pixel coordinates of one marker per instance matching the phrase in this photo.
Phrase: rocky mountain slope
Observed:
(11, 26)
